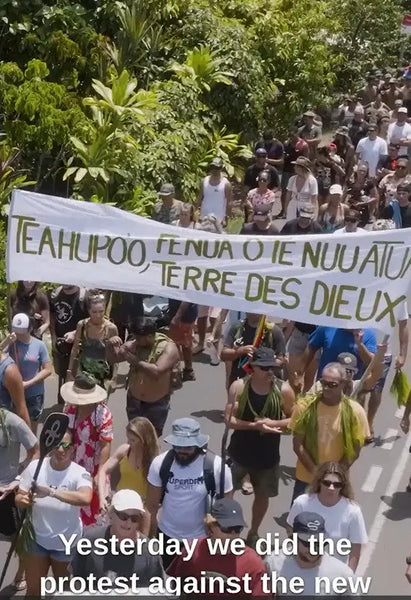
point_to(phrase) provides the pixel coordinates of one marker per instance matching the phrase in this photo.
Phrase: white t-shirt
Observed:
(214, 199)
(329, 568)
(184, 506)
(52, 517)
(397, 132)
(371, 151)
(344, 230)
(344, 520)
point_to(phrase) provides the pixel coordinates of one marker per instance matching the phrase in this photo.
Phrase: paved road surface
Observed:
(379, 477)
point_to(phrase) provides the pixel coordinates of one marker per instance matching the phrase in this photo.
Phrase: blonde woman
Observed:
(91, 348)
(128, 467)
(301, 188)
(331, 496)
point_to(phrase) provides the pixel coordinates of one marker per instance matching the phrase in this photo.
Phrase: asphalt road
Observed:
(379, 477)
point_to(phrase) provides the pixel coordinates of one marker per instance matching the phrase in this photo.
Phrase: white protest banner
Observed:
(347, 280)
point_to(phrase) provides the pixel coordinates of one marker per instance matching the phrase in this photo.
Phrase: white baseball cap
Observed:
(20, 323)
(127, 500)
(336, 189)
(402, 109)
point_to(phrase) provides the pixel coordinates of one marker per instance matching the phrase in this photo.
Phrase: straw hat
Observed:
(82, 391)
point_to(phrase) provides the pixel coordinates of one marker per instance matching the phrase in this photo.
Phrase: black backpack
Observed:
(209, 479)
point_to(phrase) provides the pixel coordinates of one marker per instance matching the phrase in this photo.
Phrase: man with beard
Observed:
(152, 357)
(67, 308)
(182, 480)
(258, 410)
(313, 569)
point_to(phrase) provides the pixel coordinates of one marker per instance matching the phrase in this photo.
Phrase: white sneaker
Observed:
(214, 355)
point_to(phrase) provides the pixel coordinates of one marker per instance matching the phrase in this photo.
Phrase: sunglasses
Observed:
(231, 529)
(337, 484)
(269, 368)
(329, 384)
(64, 445)
(306, 544)
(351, 220)
(123, 516)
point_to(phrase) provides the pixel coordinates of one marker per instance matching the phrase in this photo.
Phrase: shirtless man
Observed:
(152, 357)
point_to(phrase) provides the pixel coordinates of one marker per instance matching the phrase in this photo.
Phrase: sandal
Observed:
(19, 584)
(247, 488)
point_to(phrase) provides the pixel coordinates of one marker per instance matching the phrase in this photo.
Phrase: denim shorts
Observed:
(58, 555)
(35, 406)
(387, 364)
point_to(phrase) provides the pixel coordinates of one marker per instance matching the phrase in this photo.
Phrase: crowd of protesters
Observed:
(322, 384)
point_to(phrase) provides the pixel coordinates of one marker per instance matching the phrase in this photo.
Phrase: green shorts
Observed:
(264, 481)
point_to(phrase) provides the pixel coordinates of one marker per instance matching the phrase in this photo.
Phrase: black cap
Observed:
(228, 513)
(265, 357)
(143, 326)
(308, 524)
(261, 152)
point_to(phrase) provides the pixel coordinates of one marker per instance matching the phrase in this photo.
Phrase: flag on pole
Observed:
(245, 361)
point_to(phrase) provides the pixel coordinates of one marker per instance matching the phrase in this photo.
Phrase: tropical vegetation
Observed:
(105, 99)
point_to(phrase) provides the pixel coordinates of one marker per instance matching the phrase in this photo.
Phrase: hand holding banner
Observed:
(349, 281)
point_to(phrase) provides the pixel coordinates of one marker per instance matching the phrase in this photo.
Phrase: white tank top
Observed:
(214, 200)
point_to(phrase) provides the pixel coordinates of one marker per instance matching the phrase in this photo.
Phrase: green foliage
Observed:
(367, 35)
(10, 175)
(105, 100)
(202, 69)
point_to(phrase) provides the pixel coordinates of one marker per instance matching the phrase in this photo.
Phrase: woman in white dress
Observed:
(301, 188)
(331, 496)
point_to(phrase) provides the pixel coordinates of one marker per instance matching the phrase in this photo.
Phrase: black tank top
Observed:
(253, 448)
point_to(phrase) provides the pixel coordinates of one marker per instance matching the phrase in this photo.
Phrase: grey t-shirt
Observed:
(329, 567)
(18, 433)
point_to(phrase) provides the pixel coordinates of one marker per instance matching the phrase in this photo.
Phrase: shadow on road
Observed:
(202, 357)
(214, 415)
(379, 441)
(399, 506)
(282, 520)
(287, 475)
(56, 408)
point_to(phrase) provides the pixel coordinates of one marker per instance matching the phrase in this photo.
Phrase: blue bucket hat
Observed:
(186, 432)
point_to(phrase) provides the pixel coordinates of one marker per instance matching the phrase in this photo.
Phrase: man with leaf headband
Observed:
(327, 426)
(258, 410)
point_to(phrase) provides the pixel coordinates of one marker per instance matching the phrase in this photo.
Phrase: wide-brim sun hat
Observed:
(82, 391)
(186, 432)
(303, 161)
